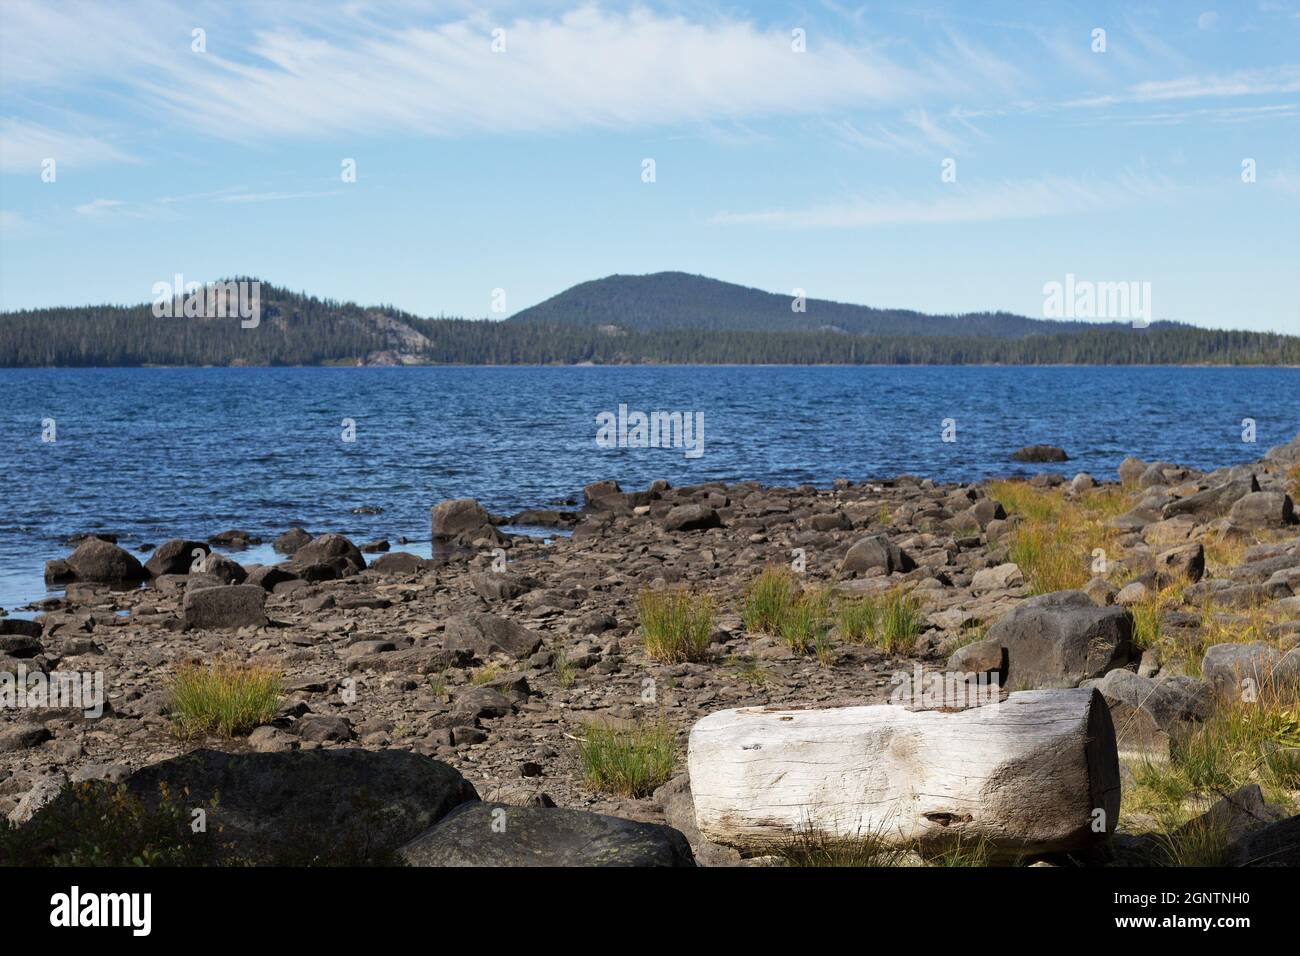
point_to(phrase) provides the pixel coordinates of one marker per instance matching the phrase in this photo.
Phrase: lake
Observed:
(153, 454)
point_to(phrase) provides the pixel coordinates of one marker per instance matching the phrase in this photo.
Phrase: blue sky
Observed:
(522, 169)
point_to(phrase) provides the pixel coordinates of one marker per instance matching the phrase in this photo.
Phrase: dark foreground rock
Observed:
(176, 556)
(97, 560)
(484, 635)
(239, 605)
(1040, 454)
(1275, 845)
(495, 834)
(294, 808)
(1062, 639)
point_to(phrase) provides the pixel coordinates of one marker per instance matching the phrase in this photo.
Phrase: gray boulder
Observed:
(1040, 454)
(486, 634)
(1183, 563)
(496, 834)
(1263, 509)
(1131, 469)
(1277, 844)
(1150, 714)
(691, 518)
(175, 557)
(1214, 502)
(329, 548)
(224, 569)
(343, 805)
(1232, 669)
(1061, 639)
(291, 541)
(223, 608)
(397, 562)
(501, 586)
(98, 560)
(267, 576)
(461, 521)
(877, 551)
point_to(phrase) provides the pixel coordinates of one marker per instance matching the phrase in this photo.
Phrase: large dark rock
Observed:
(268, 576)
(224, 569)
(222, 608)
(176, 556)
(1263, 509)
(291, 541)
(329, 549)
(462, 521)
(1275, 845)
(501, 585)
(19, 627)
(1040, 453)
(495, 834)
(398, 562)
(486, 634)
(1150, 714)
(876, 551)
(1131, 469)
(692, 517)
(1234, 669)
(604, 496)
(1185, 563)
(1061, 639)
(1214, 502)
(97, 560)
(298, 807)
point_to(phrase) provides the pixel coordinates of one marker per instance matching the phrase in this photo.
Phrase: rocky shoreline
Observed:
(496, 656)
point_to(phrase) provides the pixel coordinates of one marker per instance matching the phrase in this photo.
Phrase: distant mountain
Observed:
(678, 300)
(669, 318)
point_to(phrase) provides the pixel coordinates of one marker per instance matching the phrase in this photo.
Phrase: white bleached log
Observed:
(1025, 775)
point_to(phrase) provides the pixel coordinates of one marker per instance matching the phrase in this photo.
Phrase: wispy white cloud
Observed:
(957, 203)
(97, 208)
(339, 73)
(1278, 80)
(24, 146)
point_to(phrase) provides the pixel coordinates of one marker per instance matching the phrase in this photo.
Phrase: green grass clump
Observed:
(1055, 539)
(900, 622)
(807, 622)
(857, 619)
(1244, 742)
(676, 624)
(222, 698)
(768, 600)
(627, 762)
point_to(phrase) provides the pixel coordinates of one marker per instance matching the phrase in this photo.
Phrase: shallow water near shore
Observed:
(152, 454)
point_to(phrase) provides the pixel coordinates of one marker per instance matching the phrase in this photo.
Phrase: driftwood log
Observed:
(1036, 772)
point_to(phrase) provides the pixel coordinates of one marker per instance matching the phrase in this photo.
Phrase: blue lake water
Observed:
(158, 453)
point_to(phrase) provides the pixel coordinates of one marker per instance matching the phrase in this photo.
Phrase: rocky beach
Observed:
(535, 684)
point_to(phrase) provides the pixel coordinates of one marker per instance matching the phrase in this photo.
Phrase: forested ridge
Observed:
(297, 329)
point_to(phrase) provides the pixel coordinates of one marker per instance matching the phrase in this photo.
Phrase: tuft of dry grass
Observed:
(675, 624)
(223, 698)
(1053, 543)
(768, 599)
(627, 762)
